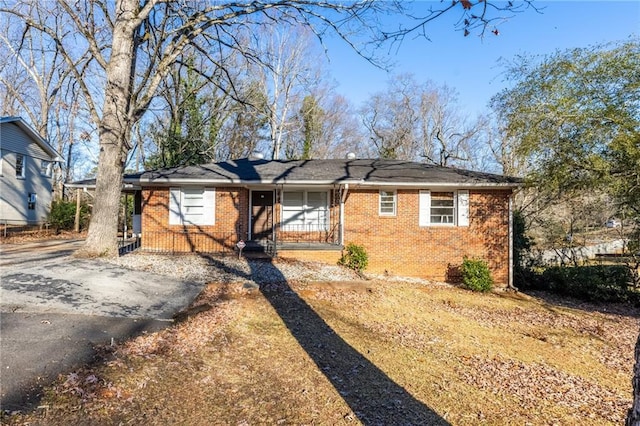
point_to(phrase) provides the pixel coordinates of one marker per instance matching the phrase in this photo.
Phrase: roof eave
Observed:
(427, 184)
(357, 182)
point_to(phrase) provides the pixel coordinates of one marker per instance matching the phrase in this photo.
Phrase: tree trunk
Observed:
(115, 133)
(633, 416)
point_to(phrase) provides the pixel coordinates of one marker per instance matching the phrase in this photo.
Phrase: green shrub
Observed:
(63, 214)
(355, 257)
(600, 283)
(476, 275)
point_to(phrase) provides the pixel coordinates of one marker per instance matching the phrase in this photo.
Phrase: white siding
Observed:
(13, 139)
(14, 192)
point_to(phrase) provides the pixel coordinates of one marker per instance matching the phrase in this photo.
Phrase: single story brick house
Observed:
(412, 218)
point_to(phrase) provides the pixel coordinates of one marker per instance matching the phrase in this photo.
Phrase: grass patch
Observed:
(320, 353)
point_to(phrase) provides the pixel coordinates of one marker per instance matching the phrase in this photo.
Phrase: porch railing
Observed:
(222, 242)
(188, 241)
(308, 233)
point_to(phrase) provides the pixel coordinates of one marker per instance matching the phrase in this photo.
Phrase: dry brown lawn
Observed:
(369, 352)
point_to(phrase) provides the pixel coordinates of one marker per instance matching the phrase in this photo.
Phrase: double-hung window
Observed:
(387, 205)
(444, 208)
(20, 166)
(305, 211)
(192, 206)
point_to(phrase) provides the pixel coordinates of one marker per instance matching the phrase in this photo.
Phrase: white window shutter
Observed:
(463, 208)
(424, 212)
(175, 218)
(209, 216)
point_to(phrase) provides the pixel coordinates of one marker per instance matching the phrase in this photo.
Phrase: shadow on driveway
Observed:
(56, 309)
(37, 347)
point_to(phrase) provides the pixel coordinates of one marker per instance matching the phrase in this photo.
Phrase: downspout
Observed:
(510, 285)
(343, 198)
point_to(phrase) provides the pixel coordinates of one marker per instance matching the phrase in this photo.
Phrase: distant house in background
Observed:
(412, 218)
(26, 181)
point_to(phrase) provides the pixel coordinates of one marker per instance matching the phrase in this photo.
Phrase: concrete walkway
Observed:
(54, 309)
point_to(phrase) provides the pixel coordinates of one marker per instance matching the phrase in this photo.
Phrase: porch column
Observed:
(343, 198)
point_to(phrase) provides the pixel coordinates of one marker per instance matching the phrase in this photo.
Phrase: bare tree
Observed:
(37, 86)
(411, 121)
(448, 138)
(392, 119)
(119, 53)
(287, 67)
(340, 132)
(326, 127)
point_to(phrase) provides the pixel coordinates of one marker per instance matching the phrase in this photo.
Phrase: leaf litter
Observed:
(472, 359)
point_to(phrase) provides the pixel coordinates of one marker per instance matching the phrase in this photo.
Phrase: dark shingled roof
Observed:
(356, 171)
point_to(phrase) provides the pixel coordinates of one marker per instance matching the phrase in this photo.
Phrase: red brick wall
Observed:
(395, 244)
(326, 256)
(231, 223)
(399, 246)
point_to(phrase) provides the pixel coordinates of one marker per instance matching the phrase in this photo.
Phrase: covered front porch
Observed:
(261, 219)
(295, 218)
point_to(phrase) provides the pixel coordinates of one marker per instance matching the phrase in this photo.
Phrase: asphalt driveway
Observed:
(55, 309)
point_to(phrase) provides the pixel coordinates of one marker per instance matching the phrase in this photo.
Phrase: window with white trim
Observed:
(444, 208)
(20, 168)
(45, 168)
(387, 204)
(31, 201)
(192, 206)
(305, 211)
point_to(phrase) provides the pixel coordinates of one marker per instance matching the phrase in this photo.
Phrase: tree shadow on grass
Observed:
(372, 396)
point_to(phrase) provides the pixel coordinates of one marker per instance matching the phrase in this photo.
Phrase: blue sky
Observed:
(470, 64)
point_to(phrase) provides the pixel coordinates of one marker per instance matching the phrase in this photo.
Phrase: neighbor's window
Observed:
(192, 206)
(20, 165)
(305, 211)
(387, 203)
(31, 201)
(442, 208)
(45, 168)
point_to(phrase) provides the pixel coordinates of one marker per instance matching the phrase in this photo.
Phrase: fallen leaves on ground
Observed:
(303, 352)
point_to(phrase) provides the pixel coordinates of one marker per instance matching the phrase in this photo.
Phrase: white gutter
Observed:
(440, 185)
(237, 181)
(359, 183)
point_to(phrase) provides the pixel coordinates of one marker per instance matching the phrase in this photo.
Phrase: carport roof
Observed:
(373, 172)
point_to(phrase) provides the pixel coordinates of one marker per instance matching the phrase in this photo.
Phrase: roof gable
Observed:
(33, 135)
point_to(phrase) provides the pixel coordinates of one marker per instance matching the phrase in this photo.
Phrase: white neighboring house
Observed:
(26, 181)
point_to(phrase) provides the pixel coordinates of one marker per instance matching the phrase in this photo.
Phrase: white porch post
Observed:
(343, 198)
